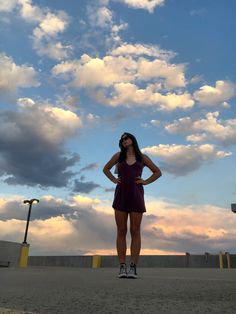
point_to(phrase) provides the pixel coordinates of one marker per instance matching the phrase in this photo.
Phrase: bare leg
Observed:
(135, 223)
(121, 222)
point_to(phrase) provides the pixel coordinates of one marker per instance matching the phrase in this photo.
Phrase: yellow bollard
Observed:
(24, 253)
(228, 260)
(221, 260)
(97, 261)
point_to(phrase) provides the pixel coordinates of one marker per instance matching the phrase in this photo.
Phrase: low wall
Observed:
(9, 253)
(171, 261)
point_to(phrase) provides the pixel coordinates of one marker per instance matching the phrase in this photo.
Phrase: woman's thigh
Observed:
(135, 221)
(121, 219)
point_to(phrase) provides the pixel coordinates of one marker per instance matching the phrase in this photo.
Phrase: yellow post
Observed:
(221, 260)
(97, 261)
(228, 259)
(24, 253)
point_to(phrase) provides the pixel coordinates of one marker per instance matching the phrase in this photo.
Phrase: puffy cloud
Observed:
(87, 71)
(31, 150)
(29, 12)
(13, 76)
(209, 128)
(84, 187)
(148, 5)
(48, 26)
(183, 159)
(128, 94)
(141, 49)
(101, 16)
(116, 86)
(209, 96)
(44, 36)
(53, 24)
(84, 201)
(7, 5)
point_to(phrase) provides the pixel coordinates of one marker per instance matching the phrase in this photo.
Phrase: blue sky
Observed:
(74, 77)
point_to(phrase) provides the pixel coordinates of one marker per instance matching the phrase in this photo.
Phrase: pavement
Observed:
(65, 290)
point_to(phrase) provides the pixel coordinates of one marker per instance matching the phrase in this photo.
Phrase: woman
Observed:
(129, 198)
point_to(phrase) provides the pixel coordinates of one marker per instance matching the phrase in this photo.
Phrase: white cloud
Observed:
(7, 5)
(29, 12)
(25, 102)
(183, 159)
(116, 86)
(52, 124)
(101, 16)
(87, 71)
(129, 94)
(53, 24)
(210, 96)
(209, 128)
(148, 5)
(48, 27)
(141, 49)
(13, 76)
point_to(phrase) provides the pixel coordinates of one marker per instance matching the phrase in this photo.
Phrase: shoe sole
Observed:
(132, 277)
(122, 276)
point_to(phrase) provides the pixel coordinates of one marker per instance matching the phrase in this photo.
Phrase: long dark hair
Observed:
(123, 150)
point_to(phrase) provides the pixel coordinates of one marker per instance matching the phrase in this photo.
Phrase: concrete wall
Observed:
(9, 253)
(175, 261)
(69, 261)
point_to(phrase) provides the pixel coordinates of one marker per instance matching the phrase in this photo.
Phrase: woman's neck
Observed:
(130, 151)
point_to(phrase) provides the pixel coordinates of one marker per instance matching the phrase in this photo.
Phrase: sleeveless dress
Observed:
(129, 196)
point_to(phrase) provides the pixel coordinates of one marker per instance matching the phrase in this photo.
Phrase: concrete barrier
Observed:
(171, 261)
(9, 253)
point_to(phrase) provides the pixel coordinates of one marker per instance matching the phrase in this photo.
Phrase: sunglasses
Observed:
(124, 138)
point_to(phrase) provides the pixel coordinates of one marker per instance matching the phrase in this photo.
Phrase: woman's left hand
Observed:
(140, 181)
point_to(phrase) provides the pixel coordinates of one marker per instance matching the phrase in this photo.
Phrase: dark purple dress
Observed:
(129, 196)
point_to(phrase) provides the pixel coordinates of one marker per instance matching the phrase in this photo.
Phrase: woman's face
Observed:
(126, 141)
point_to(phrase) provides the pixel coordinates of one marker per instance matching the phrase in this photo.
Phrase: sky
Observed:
(75, 75)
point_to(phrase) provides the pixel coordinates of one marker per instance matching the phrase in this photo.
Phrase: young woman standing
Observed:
(129, 198)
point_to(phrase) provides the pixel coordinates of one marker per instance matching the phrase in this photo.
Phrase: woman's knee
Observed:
(135, 231)
(121, 231)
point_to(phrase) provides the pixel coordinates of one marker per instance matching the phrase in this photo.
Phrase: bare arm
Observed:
(112, 162)
(156, 172)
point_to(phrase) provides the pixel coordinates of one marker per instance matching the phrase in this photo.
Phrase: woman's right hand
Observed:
(116, 181)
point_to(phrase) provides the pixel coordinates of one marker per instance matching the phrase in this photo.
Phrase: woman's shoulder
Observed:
(145, 159)
(116, 156)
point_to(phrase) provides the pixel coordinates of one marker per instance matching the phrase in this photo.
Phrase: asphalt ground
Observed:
(84, 290)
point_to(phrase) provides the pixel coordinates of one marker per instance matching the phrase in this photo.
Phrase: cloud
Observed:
(82, 222)
(148, 5)
(48, 26)
(91, 166)
(13, 76)
(210, 128)
(211, 96)
(7, 6)
(101, 16)
(120, 69)
(31, 150)
(143, 49)
(128, 94)
(181, 160)
(44, 36)
(121, 74)
(84, 187)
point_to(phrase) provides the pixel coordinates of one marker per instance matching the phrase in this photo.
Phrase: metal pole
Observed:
(27, 225)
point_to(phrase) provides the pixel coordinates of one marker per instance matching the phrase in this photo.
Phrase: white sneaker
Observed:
(123, 271)
(132, 273)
